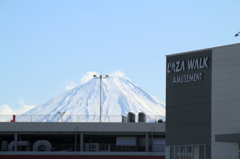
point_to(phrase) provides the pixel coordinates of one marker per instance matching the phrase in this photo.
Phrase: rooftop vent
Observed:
(131, 117)
(141, 117)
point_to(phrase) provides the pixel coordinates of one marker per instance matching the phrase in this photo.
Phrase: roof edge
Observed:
(187, 52)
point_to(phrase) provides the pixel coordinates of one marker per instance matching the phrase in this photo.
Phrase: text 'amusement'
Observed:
(191, 64)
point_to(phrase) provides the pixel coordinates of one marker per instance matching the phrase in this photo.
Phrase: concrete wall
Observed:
(81, 127)
(225, 99)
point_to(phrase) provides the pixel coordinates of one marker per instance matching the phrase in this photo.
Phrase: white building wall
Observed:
(225, 99)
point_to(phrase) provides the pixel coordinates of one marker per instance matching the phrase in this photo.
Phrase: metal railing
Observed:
(79, 118)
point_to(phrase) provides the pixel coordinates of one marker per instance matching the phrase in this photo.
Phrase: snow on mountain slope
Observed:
(119, 96)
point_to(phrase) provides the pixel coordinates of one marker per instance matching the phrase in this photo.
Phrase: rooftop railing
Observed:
(80, 118)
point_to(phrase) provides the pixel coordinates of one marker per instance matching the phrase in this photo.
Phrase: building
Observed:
(85, 140)
(203, 104)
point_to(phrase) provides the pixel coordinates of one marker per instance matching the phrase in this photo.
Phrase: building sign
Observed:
(192, 64)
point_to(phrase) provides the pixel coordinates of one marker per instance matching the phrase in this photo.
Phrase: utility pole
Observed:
(61, 113)
(100, 77)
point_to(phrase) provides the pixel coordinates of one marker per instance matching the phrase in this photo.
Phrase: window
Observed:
(188, 151)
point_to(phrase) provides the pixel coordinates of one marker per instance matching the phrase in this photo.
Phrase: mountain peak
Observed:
(119, 95)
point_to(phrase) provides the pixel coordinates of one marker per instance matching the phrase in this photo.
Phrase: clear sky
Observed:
(47, 45)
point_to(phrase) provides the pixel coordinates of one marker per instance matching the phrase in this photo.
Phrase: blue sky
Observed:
(48, 45)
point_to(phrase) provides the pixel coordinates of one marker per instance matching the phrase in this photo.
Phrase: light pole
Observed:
(100, 77)
(61, 113)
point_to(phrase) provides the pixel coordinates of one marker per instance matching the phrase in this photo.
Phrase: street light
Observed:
(61, 113)
(100, 77)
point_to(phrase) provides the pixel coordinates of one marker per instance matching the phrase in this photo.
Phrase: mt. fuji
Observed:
(119, 96)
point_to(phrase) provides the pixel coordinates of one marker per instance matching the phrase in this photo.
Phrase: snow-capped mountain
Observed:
(118, 97)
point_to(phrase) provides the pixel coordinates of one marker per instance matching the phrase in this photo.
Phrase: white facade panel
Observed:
(220, 118)
(235, 48)
(226, 60)
(234, 53)
(221, 79)
(221, 71)
(221, 58)
(221, 104)
(220, 97)
(234, 86)
(235, 130)
(220, 147)
(225, 150)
